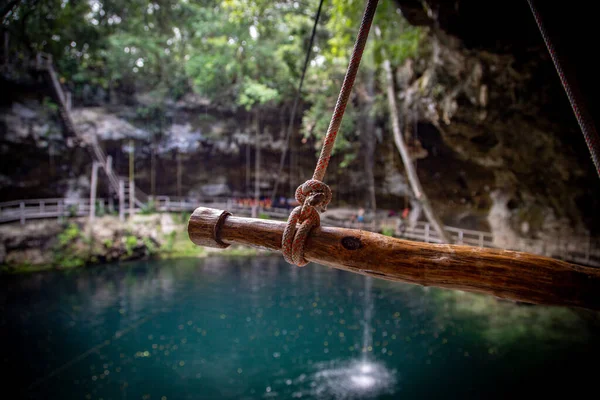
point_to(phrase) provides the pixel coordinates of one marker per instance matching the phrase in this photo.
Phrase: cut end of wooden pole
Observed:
(204, 227)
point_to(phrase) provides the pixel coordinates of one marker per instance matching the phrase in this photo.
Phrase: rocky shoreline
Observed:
(71, 243)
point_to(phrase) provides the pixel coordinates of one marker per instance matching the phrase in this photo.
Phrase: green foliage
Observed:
(130, 242)
(100, 209)
(148, 208)
(234, 53)
(66, 253)
(263, 216)
(49, 105)
(72, 210)
(183, 217)
(387, 231)
(69, 235)
(179, 246)
(254, 93)
(169, 242)
(150, 245)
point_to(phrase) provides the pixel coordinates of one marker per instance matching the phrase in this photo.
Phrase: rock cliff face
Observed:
(489, 90)
(497, 145)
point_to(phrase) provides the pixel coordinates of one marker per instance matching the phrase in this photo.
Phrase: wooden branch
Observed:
(507, 274)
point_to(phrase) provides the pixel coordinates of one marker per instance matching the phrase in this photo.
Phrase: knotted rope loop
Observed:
(294, 237)
(315, 193)
(314, 196)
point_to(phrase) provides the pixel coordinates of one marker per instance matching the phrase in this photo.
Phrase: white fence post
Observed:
(121, 200)
(42, 206)
(426, 233)
(131, 198)
(460, 237)
(22, 212)
(93, 185)
(68, 100)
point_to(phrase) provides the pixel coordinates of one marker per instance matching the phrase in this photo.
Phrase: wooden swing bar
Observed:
(506, 274)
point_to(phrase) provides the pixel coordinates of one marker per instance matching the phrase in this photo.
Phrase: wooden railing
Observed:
(23, 210)
(580, 250)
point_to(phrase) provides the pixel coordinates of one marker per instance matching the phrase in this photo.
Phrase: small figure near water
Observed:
(360, 217)
(403, 221)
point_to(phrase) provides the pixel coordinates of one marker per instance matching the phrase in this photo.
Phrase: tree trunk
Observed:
(370, 139)
(179, 172)
(131, 160)
(257, 168)
(153, 169)
(410, 170)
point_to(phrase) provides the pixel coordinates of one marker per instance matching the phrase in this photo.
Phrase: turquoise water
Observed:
(258, 328)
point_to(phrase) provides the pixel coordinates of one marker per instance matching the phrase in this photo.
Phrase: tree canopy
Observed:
(234, 53)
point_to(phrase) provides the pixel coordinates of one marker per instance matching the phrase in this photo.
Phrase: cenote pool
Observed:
(256, 328)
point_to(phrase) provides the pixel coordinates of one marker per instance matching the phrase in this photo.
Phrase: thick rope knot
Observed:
(314, 196)
(314, 193)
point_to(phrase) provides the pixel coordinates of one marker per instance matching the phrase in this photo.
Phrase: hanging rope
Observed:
(581, 113)
(296, 100)
(314, 195)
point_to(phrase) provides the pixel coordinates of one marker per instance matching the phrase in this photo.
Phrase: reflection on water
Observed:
(259, 328)
(351, 379)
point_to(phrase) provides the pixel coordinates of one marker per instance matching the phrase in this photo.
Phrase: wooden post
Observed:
(93, 185)
(179, 173)
(131, 177)
(22, 212)
(108, 165)
(68, 100)
(108, 170)
(256, 170)
(247, 191)
(121, 200)
(507, 274)
(60, 208)
(131, 198)
(153, 168)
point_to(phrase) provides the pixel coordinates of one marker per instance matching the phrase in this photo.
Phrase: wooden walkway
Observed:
(43, 63)
(585, 251)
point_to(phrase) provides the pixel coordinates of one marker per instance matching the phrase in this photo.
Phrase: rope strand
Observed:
(581, 112)
(314, 195)
(296, 101)
(342, 101)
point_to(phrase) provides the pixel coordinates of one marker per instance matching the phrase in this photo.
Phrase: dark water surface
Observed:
(259, 328)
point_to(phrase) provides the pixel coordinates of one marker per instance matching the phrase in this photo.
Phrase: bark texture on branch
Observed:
(507, 274)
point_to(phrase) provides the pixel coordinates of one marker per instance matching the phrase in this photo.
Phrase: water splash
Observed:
(356, 378)
(345, 380)
(367, 338)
